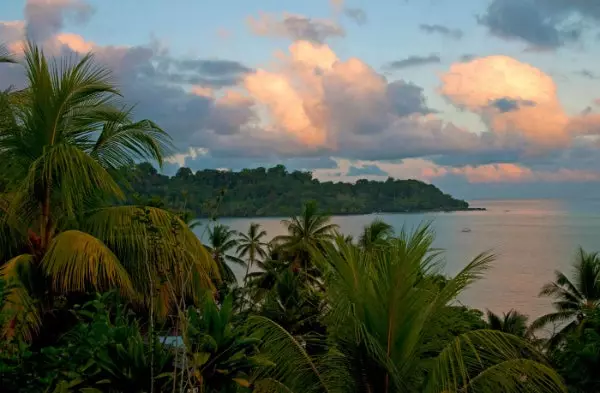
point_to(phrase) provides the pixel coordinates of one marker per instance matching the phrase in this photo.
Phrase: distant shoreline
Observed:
(469, 209)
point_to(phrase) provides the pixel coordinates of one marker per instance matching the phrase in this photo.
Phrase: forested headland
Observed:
(278, 192)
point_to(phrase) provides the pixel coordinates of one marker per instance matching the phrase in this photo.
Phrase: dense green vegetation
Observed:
(277, 192)
(99, 296)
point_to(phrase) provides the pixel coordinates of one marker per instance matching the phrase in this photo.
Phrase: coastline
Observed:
(416, 211)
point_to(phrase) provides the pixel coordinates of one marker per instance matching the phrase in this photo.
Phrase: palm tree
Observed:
(305, 232)
(64, 137)
(375, 234)
(574, 299)
(379, 320)
(222, 240)
(251, 246)
(511, 322)
(221, 355)
(190, 220)
(270, 269)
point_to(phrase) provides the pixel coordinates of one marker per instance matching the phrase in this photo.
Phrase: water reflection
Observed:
(531, 239)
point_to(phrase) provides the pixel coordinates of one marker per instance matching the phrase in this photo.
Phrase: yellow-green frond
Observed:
(17, 269)
(518, 375)
(18, 312)
(77, 261)
(12, 230)
(294, 369)
(491, 361)
(73, 177)
(139, 235)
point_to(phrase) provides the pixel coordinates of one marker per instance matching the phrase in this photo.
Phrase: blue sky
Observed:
(475, 95)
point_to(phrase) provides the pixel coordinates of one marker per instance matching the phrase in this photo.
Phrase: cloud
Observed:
(426, 170)
(309, 104)
(295, 27)
(456, 34)
(545, 24)
(587, 74)
(45, 18)
(406, 99)
(12, 32)
(467, 57)
(512, 173)
(181, 158)
(214, 73)
(358, 15)
(467, 86)
(510, 105)
(203, 91)
(212, 67)
(316, 103)
(366, 170)
(413, 61)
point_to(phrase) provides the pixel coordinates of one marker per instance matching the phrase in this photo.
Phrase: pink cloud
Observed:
(12, 35)
(537, 115)
(202, 91)
(426, 170)
(514, 173)
(295, 27)
(76, 42)
(300, 97)
(317, 101)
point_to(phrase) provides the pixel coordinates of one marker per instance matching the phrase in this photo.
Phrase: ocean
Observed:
(531, 239)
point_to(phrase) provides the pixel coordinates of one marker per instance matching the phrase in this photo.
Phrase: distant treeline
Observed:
(277, 192)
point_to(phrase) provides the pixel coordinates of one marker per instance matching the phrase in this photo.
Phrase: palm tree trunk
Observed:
(250, 262)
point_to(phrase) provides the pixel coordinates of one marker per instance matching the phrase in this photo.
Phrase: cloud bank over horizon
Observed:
(486, 118)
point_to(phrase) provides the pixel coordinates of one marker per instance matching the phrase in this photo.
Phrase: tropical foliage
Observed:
(574, 298)
(252, 246)
(221, 244)
(62, 139)
(512, 322)
(98, 295)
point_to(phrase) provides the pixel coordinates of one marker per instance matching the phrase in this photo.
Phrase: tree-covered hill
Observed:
(277, 192)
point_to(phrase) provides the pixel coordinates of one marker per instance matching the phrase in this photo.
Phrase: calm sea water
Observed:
(531, 239)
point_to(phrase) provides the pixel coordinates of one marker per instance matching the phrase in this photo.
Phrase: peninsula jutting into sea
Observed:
(275, 191)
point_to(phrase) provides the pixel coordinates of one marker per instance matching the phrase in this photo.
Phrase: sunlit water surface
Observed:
(531, 239)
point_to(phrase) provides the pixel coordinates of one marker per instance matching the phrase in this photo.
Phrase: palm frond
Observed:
(19, 313)
(77, 261)
(5, 56)
(294, 367)
(70, 98)
(494, 320)
(122, 142)
(138, 235)
(552, 318)
(468, 275)
(557, 291)
(68, 172)
(518, 375)
(13, 237)
(491, 361)
(587, 275)
(375, 233)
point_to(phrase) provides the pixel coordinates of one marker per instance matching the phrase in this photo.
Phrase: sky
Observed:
(483, 98)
